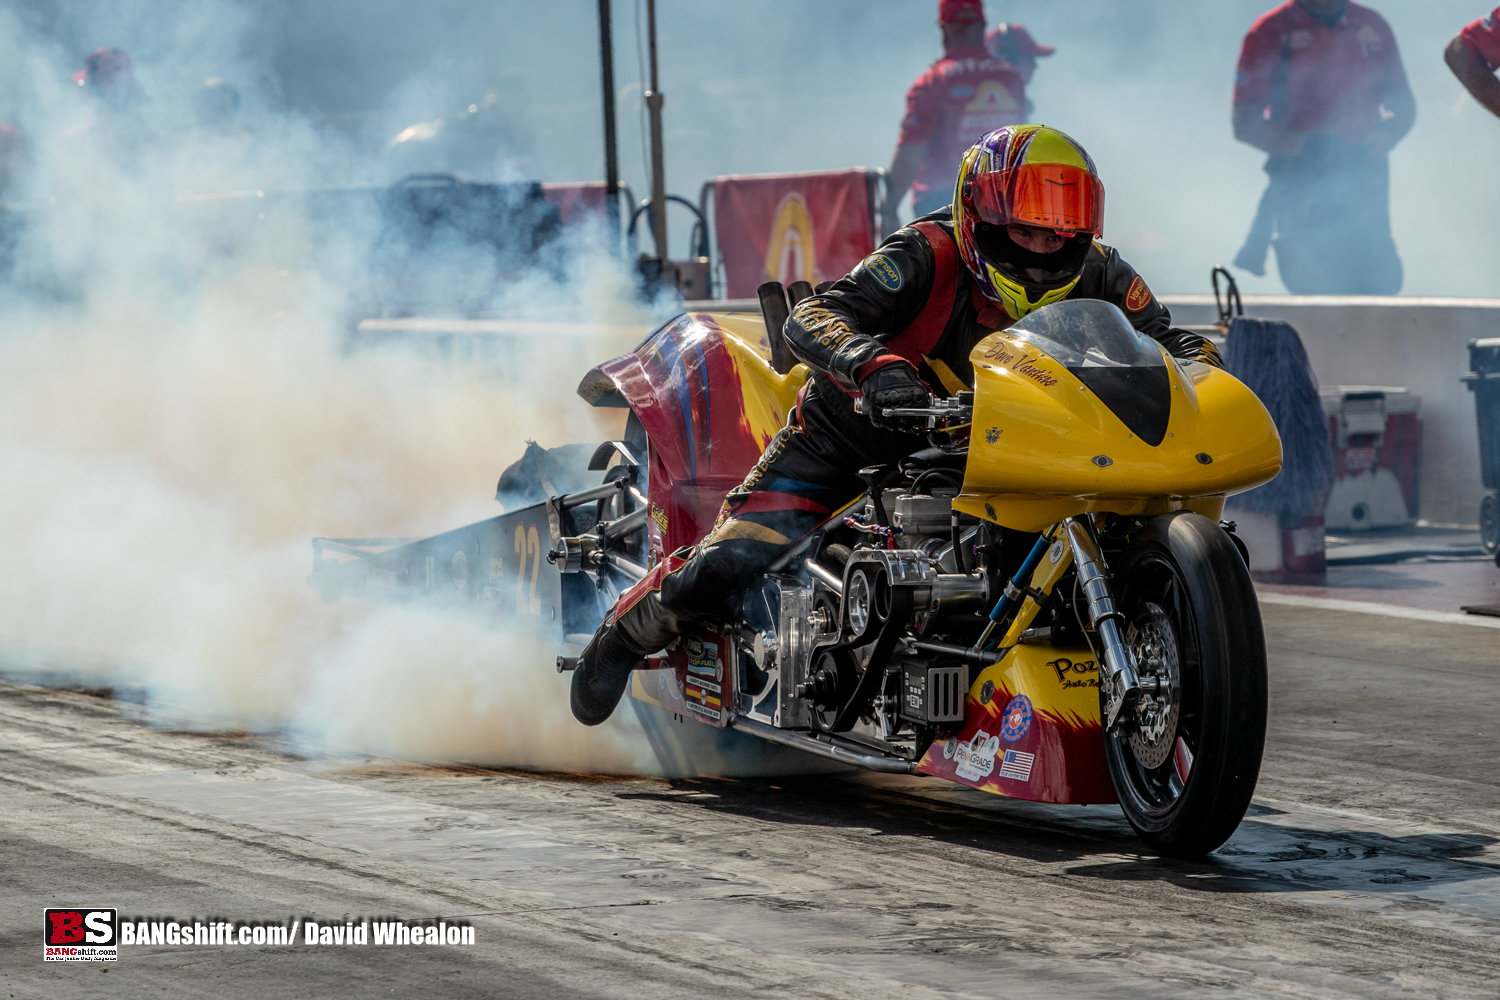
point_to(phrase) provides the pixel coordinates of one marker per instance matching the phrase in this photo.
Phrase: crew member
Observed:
(1473, 55)
(964, 95)
(108, 76)
(115, 131)
(1320, 87)
(1014, 44)
(1019, 235)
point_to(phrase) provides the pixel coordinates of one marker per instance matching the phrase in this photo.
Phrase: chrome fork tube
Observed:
(1123, 686)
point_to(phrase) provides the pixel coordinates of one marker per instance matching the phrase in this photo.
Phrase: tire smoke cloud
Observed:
(180, 412)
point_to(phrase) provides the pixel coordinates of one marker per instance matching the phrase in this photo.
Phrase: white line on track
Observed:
(1370, 608)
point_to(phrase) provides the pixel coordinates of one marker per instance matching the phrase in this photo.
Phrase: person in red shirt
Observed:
(1320, 87)
(1474, 54)
(964, 95)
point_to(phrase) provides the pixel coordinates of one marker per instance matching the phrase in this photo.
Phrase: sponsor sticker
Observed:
(1015, 721)
(1139, 296)
(885, 272)
(1082, 674)
(80, 934)
(697, 685)
(976, 758)
(701, 695)
(1017, 765)
(703, 658)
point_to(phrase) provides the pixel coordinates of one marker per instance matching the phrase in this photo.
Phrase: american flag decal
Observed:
(1017, 765)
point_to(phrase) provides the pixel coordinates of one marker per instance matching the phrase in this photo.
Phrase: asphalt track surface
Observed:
(1369, 866)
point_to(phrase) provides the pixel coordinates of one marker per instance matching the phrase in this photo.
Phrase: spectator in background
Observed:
(1473, 55)
(115, 129)
(1320, 87)
(1014, 44)
(108, 76)
(964, 95)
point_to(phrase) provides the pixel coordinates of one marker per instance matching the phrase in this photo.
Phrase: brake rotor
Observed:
(1154, 641)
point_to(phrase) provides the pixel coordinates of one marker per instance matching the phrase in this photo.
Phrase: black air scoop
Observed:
(1140, 397)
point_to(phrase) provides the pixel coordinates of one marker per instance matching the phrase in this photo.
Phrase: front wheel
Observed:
(1185, 767)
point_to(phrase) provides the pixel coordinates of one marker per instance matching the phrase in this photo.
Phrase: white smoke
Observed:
(179, 415)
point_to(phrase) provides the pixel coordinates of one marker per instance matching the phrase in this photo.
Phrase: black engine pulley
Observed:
(830, 680)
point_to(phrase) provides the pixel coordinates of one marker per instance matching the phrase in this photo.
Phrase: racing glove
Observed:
(894, 384)
(1185, 346)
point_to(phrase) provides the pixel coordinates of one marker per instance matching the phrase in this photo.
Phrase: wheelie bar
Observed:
(1123, 686)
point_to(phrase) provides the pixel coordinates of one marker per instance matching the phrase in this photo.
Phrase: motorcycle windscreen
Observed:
(1119, 364)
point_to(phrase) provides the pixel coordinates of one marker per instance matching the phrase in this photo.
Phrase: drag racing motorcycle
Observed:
(1043, 604)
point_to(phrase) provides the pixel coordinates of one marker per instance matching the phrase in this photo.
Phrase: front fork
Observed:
(1122, 685)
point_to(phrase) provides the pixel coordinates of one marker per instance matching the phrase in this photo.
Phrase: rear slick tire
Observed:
(1182, 581)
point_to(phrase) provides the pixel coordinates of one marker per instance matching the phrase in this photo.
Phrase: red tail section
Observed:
(703, 388)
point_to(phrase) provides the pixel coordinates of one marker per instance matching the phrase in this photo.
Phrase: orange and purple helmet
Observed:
(1036, 176)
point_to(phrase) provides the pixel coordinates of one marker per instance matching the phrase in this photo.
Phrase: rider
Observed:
(1020, 235)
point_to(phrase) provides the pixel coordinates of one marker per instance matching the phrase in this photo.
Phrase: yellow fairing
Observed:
(1070, 694)
(1044, 447)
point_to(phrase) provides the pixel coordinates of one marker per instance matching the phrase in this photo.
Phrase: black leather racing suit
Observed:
(809, 470)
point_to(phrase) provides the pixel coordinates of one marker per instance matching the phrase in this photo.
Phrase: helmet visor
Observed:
(1051, 195)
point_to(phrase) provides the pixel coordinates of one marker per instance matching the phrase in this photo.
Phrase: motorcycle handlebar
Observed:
(939, 411)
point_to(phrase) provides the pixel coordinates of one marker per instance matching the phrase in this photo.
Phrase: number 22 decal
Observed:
(528, 546)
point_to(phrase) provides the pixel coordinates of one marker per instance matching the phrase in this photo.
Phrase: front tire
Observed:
(1185, 767)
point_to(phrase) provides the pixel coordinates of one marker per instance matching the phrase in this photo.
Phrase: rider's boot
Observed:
(603, 671)
(602, 675)
(706, 587)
